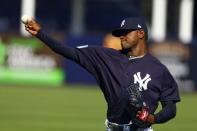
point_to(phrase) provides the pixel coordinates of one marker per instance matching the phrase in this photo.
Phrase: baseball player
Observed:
(132, 80)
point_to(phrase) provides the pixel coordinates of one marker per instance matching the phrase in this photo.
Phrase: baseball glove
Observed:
(135, 104)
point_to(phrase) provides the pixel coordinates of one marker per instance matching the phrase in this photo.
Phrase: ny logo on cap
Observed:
(122, 24)
(139, 26)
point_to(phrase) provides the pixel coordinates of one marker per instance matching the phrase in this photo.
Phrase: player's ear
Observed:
(141, 33)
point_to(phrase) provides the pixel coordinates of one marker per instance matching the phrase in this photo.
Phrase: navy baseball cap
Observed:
(129, 24)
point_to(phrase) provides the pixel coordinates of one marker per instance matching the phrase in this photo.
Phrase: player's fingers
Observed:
(139, 112)
(32, 32)
(30, 27)
(27, 25)
(27, 29)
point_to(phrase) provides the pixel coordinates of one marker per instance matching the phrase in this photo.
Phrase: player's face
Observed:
(129, 40)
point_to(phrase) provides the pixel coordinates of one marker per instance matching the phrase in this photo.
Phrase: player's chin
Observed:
(125, 46)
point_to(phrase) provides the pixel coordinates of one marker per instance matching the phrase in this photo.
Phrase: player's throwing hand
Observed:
(31, 26)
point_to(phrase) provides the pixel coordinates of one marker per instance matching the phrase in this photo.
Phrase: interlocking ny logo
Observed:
(142, 82)
(122, 23)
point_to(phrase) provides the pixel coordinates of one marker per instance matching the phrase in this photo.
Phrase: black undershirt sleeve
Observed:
(56, 46)
(168, 112)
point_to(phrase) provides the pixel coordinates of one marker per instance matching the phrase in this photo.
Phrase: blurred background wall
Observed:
(24, 60)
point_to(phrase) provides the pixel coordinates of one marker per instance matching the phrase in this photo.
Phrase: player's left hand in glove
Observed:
(144, 115)
(137, 109)
(143, 118)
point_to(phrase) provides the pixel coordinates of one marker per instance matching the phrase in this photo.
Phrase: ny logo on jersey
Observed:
(142, 82)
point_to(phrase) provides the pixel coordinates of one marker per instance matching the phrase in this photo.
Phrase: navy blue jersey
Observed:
(114, 72)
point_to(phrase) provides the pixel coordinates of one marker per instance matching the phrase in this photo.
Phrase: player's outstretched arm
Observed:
(71, 53)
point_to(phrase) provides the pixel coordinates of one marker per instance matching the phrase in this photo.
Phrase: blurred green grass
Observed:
(72, 108)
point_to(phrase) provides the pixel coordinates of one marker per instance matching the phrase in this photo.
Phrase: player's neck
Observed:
(138, 50)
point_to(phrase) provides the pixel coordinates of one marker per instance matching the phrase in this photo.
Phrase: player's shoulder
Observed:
(156, 63)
